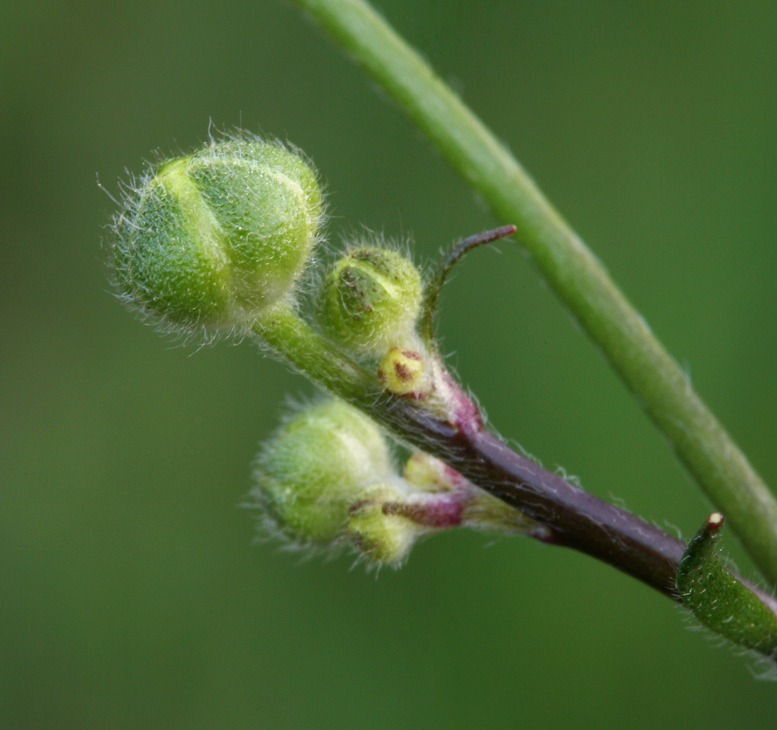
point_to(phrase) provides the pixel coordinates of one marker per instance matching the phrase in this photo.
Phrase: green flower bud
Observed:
(326, 479)
(403, 372)
(371, 300)
(317, 467)
(383, 537)
(213, 239)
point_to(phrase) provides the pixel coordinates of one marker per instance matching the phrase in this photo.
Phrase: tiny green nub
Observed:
(719, 600)
(371, 300)
(316, 468)
(212, 239)
(381, 536)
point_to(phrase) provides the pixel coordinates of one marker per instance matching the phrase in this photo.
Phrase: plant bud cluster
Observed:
(326, 480)
(216, 241)
(323, 479)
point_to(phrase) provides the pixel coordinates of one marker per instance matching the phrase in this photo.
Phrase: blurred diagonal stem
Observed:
(573, 272)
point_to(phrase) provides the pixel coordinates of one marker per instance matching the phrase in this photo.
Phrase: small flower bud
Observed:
(424, 471)
(326, 479)
(371, 300)
(382, 536)
(214, 238)
(480, 510)
(403, 372)
(317, 467)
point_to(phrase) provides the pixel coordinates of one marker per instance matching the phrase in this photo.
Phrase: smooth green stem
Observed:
(654, 378)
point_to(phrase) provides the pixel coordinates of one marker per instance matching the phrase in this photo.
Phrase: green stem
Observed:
(570, 268)
(289, 336)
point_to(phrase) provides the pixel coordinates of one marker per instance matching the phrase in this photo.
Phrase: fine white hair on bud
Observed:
(370, 300)
(326, 480)
(210, 240)
(316, 466)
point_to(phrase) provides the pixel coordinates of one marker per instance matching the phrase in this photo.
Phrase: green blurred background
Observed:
(131, 595)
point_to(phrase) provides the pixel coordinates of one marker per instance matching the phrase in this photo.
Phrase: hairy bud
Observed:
(371, 300)
(403, 372)
(212, 239)
(317, 467)
(381, 535)
(326, 479)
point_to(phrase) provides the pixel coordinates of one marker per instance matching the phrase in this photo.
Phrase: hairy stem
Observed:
(570, 516)
(730, 607)
(572, 271)
(574, 517)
